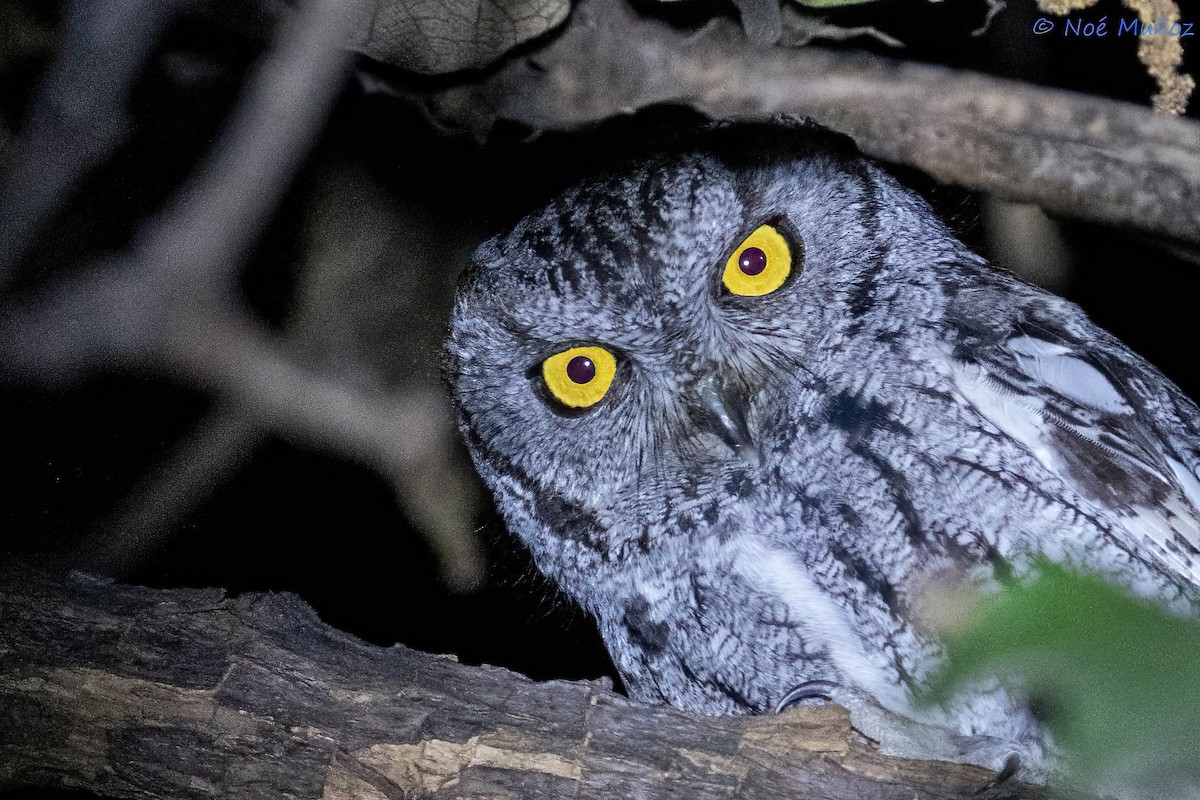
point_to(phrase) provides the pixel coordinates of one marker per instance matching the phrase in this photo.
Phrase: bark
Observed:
(133, 692)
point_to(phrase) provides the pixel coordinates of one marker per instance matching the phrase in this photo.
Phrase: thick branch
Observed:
(1083, 156)
(132, 692)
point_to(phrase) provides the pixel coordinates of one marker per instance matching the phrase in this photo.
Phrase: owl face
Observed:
(642, 337)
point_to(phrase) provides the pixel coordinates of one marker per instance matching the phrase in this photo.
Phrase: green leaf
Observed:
(1118, 677)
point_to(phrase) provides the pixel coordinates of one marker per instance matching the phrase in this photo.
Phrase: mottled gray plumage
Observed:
(911, 415)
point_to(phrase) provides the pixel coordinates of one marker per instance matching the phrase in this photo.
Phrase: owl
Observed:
(748, 400)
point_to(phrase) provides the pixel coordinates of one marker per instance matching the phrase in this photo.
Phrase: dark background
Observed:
(291, 519)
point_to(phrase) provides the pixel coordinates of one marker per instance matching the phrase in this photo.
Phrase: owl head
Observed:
(626, 358)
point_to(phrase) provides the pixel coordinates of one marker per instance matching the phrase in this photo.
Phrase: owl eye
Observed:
(759, 265)
(579, 377)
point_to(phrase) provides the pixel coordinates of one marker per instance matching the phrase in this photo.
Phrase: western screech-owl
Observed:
(747, 400)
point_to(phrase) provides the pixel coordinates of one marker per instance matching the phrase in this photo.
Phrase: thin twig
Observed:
(173, 488)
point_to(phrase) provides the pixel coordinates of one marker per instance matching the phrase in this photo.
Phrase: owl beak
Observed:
(721, 411)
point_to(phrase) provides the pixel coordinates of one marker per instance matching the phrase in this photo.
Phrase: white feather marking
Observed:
(822, 620)
(1186, 523)
(1158, 526)
(1016, 415)
(655, 591)
(1071, 377)
(1023, 418)
(1188, 482)
(1037, 348)
(1150, 523)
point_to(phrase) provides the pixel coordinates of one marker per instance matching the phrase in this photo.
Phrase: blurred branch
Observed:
(189, 693)
(266, 381)
(1079, 155)
(201, 242)
(170, 302)
(402, 435)
(78, 117)
(176, 486)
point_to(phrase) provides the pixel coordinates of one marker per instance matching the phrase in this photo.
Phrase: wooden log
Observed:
(133, 692)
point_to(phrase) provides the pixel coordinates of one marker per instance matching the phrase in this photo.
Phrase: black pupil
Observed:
(581, 369)
(752, 261)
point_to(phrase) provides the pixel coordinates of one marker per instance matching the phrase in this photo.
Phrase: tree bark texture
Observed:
(133, 692)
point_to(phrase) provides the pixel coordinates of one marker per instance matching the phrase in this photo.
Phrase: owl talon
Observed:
(1011, 765)
(820, 690)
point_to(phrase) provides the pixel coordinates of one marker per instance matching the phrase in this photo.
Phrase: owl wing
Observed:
(1101, 419)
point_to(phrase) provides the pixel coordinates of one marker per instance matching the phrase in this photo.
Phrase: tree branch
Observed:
(132, 692)
(1082, 156)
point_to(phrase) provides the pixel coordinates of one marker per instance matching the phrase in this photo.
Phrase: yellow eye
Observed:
(759, 265)
(579, 377)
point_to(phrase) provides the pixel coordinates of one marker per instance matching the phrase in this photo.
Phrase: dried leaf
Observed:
(434, 37)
